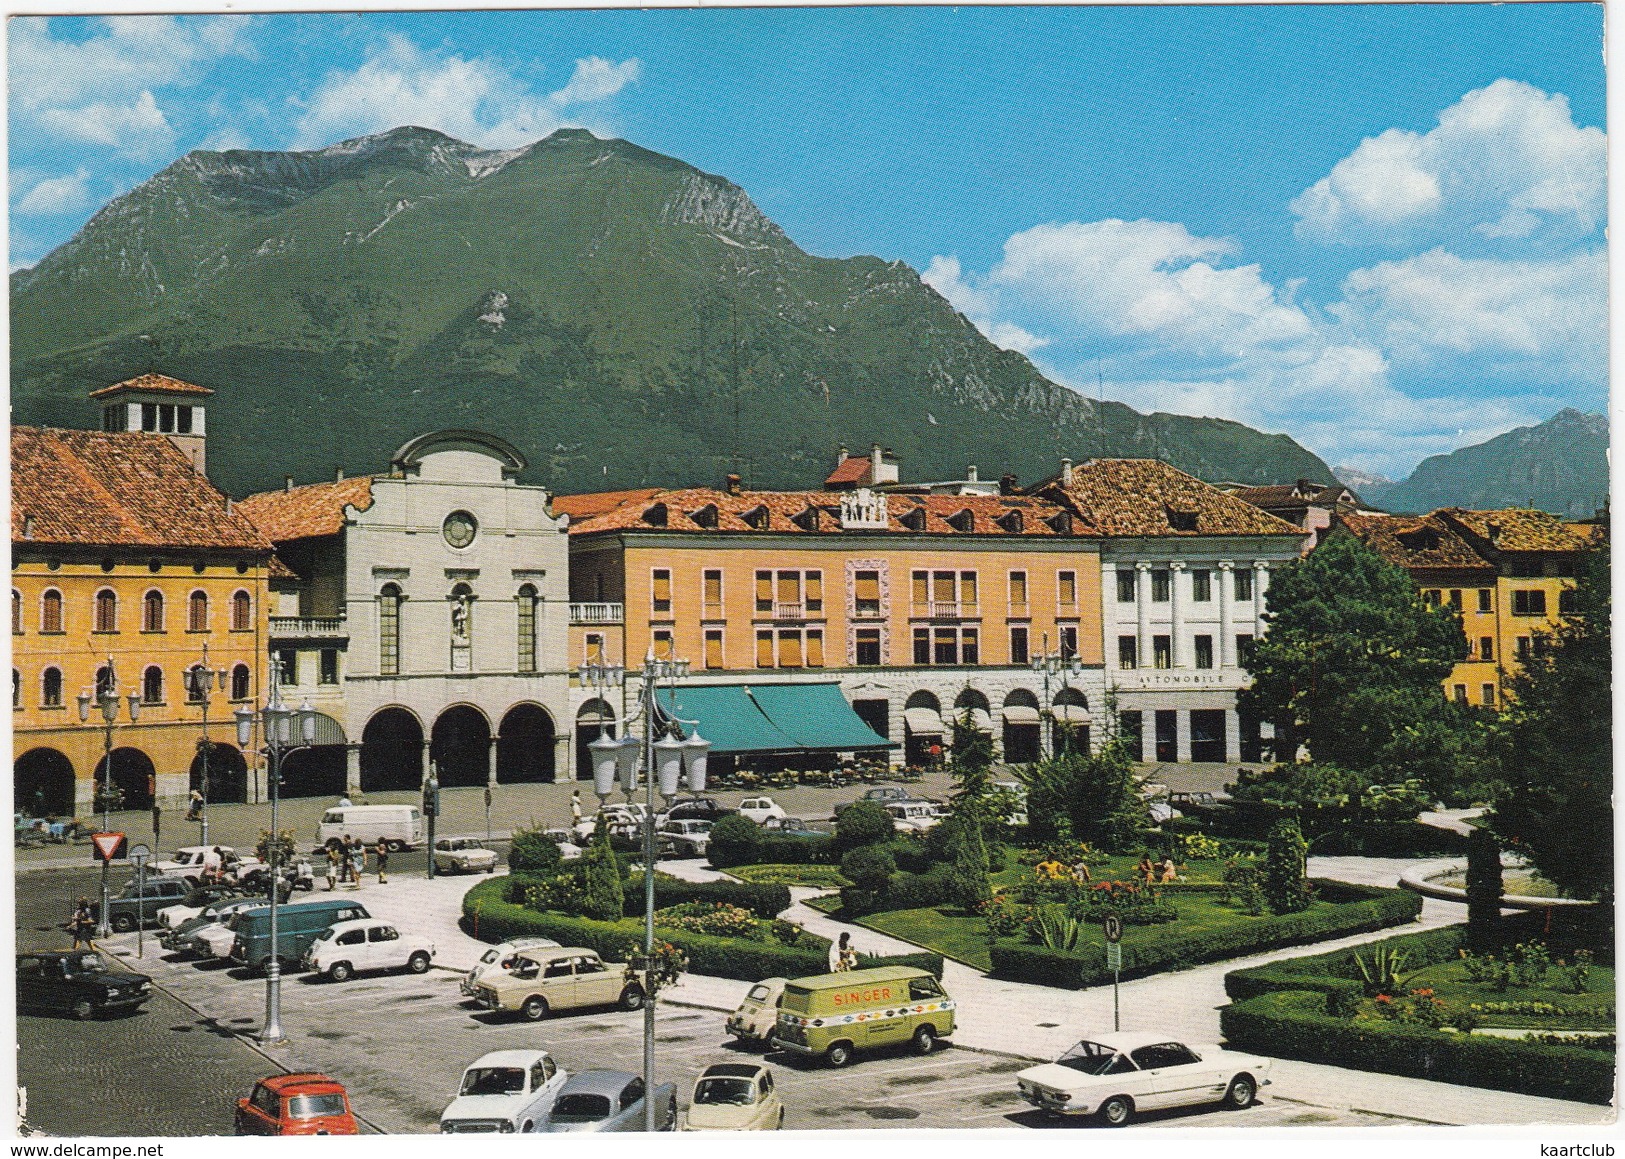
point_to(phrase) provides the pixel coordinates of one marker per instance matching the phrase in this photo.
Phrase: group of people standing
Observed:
(347, 861)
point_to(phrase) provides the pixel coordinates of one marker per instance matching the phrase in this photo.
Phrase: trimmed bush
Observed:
(771, 850)
(733, 842)
(1336, 975)
(868, 867)
(923, 959)
(1152, 950)
(1297, 1024)
(533, 852)
(764, 901)
(902, 891)
(1285, 887)
(863, 823)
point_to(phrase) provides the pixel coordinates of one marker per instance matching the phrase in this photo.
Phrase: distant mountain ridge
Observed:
(622, 317)
(1560, 466)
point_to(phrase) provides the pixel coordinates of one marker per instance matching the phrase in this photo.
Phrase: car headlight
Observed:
(1061, 1097)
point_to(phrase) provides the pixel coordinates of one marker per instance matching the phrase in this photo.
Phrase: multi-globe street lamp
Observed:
(277, 727)
(1057, 663)
(200, 681)
(665, 762)
(106, 698)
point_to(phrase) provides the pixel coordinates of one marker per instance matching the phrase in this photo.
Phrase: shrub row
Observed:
(903, 891)
(1151, 950)
(1297, 1024)
(764, 901)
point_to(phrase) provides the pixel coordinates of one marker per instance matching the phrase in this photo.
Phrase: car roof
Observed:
(1132, 1040)
(480, 837)
(359, 924)
(732, 1070)
(531, 941)
(306, 1083)
(858, 977)
(553, 954)
(507, 1058)
(597, 1082)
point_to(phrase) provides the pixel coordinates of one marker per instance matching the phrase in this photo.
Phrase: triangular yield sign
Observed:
(107, 844)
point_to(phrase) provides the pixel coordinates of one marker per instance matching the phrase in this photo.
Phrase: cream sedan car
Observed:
(464, 855)
(735, 1096)
(1115, 1075)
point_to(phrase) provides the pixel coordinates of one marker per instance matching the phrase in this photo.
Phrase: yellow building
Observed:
(918, 606)
(128, 568)
(1510, 574)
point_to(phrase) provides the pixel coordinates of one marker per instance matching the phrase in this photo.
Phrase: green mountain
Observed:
(1560, 466)
(621, 317)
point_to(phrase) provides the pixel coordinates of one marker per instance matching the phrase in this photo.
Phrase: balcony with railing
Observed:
(309, 627)
(950, 610)
(597, 613)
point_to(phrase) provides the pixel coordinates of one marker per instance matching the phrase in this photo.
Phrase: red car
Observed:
(296, 1104)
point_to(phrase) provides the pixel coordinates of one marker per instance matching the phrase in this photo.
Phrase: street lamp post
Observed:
(106, 698)
(1056, 663)
(665, 762)
(276, 720)
(201, 680)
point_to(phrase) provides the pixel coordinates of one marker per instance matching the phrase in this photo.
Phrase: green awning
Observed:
(817, 716)
(772, 718)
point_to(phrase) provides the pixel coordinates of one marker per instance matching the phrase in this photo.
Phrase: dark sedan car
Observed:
(77, 982)
(141, 904)
(696, 809)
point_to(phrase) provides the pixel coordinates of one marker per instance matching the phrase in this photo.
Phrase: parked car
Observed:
(505, 1091)
(831, 1016)
(77, 982)
(399, 825)
(135, 905)
(195, 903)
(760, 809)
(792, 827)
(694, 809)
(911, 816)
(564, 839)
(623, 821)
(544, 980)
(880, 795)
(499, 959)
(685, 838)
(609, 1100)
(298, 925)
(1115, 1075)
(182, 938)
(296, 1104)
(735, 1096)
(187, 863)
(344, 948)
(464, 855)
(756, 1016)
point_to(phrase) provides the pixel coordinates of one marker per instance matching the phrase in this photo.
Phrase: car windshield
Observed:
(734, 1092)
(86, 964)
(494, 1080)
(578, 1108)
(759, 993)
(315, 1106)
(1089, 1058)
(488, 957)
(325, 934)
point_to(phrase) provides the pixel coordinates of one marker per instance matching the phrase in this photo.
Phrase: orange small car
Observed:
(296, 1104)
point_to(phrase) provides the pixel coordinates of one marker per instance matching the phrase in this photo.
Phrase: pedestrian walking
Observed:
(194, 806)
(214, 862)
(837, 954)
(382, 853)
(332, 867)
(358, 861)
(344, 859)
(82, 923)
(575, 807)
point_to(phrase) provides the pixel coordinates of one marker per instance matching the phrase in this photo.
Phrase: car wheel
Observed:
(123, 924)
(396, 846)
(1116, 1111)
(839, 1054)
(632, 998)
(1243, 1090)
(925, 1040)
(84, 1009)
(780, 1125)
(418, 963)
(535, 1008)
(339, 972)
(527, 1128)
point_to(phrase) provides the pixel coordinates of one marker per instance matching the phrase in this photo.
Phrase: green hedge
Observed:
(1154, 949)
(1336, 974)
(765, 901)
(1296, 1024)
(487, 915)
(903, 891)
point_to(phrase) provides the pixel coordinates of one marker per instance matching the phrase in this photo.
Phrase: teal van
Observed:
(298, 924)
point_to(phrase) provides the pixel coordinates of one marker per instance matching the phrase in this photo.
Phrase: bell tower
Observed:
(158, 404)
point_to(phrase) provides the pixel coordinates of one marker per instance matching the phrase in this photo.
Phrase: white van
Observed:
(400, 825)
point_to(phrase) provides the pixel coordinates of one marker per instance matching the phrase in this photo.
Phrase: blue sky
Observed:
(1376, 228)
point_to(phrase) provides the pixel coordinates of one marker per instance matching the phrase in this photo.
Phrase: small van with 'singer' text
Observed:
(832, 1015)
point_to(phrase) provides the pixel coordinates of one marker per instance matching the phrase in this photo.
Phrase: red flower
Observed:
(1384, 998)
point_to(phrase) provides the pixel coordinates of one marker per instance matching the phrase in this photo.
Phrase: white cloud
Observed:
(943, 276)
(1506, 162)
(139, 128)
(69, 193)
(474, 99)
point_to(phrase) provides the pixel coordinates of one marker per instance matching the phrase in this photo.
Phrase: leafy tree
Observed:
(972, 808)
(1555, 748)
(601, 873)
(1087, 798)
(1286, 888)
(734, 839)
(1298, 785)
(868, 867)
(532, 851)
(863, 823)
(967, 863)
(1484, 889)
(1354, 658)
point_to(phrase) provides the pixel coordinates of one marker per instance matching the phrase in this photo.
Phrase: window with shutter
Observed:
(1018, 593)
(764, 591)
(713, 648)
(50, 617)
(790, 649)
(764, 649)
(815, 648)
(815, 592)
(197, 612)
(661, 591)
(921, 589)
(1066, 586)
(789, 587)
(712, 593)
(967, 590)
(866, 593)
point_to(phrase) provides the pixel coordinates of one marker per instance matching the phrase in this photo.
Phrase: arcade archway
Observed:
(228, 774)
(525, 746)
(596, 718)
(43, 780)
(460, 747)
(391, 751)
(133, 776)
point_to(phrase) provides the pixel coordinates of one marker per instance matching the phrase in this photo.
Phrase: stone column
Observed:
(1142, 613)
(1182, 735)
(1232, 735)
(352, 769)
(491, 764)
(423, 769)
(1227, 634)
(1176, 607)
(564, 767)
(1261, 579)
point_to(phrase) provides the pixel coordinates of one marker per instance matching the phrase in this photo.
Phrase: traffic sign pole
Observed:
(105, 846)
(1112, 926)
(140, 855)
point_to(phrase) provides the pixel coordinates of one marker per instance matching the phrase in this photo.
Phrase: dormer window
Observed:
(807, 520)
(1011, 522)
(1422, 539)
(1181, 520)
(757, 517)
(962, 520)
(1060, 523)
(655, 516)
(705, 517)
(913, 519)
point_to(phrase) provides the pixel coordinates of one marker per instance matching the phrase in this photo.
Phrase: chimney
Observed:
(287, 482)
(28, 526)
(970, 473)
(1066, 472)
(338, 474)
(882, 466)
(736, 484)
(1007, 485)
(841, 455)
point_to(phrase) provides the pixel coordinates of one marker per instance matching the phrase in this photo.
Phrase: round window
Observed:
(459, 529)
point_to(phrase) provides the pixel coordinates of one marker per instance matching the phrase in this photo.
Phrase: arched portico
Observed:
(525, 746)
(460, 746)
(391, 751)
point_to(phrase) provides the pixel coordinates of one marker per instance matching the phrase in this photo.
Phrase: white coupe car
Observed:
(503, 1092)
(761, 809)
(1115, 1075)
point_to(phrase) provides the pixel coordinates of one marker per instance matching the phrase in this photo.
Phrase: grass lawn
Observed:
(828, 904)
(818, 876)
(1592, 1010)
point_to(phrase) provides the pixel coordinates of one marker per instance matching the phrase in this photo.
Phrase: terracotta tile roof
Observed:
(92, 488)
(852, 469)
(1415, 541)
(308, 511)
(1516, 529)
(1149, 497)
(579, 507)
(703, 509)
(1299, 494)
(152, 382)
